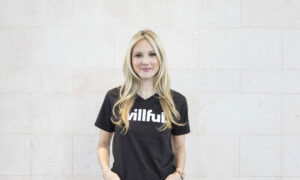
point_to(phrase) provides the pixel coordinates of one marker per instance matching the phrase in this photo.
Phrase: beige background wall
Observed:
(236, 61)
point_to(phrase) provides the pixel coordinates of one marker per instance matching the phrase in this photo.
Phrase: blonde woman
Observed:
(148, 119)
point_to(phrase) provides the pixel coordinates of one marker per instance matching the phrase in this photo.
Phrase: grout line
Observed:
(240, 13)
(201, 134)
(170, 69)
(281, 113)
(72, 155)
(72, 83)
(29, 43)
(191, 92)
(281, 45)
(72, 8)
(281, 157)
(197, 48)
(114, 47)
(174, 27)
(30, 133)
(239, 156)
(241, 90)
(30, 156)
(281, 139)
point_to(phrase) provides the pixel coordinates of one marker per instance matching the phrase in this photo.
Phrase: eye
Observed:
(138, 55)
(152, 54)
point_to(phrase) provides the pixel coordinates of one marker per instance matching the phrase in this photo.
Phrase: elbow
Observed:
(179, 149)
(103, 145)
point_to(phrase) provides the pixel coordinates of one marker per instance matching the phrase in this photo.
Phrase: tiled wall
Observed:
(236, 61)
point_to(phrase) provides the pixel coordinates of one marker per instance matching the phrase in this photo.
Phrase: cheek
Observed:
(135, 65)
(156, 63)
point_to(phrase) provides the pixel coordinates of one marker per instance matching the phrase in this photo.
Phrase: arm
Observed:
(178, 144)
(103, 150)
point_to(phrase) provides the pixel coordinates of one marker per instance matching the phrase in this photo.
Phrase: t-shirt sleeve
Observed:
(103, 120)
(184, 118)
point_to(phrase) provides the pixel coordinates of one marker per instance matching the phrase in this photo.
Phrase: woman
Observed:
(148, 119)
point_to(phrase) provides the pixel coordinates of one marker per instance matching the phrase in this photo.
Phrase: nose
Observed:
(145, 61)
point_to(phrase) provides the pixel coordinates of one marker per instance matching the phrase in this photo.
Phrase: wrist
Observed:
(105, 170)
(180, 172)
(177, 175)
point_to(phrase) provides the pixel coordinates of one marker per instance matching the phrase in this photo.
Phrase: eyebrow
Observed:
(140, 51)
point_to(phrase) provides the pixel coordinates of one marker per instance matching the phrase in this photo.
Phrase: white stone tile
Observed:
(212, 155)
(270, 81)
(181, 52)
(165, 13)
(15, 154)
(241, 114)
(96, 80)
(233, 48)
(85, 155)
(291, 44)
(290, 178)
(263, 13)
(114, 13)
(93, 13)
(51, 154)
(204, 81)
(72, 47)
(260, 178)
(291, 156)
(14, 113)
(13, 13)
(291, 114)
(231, 178)
(35, 13)
(65, 113)
(212, 13)
(14, 177)
(50, 80)
(14, 80)
(260, 156)
(85, 159)
(35, 80)
(90, 177)
(13, 47)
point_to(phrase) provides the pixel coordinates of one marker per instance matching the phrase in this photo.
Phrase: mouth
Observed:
(146, 69)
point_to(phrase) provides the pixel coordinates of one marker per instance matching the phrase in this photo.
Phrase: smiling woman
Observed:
(149, 120)
(144, 60)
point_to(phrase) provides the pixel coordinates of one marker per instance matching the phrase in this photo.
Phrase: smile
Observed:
(146, 69)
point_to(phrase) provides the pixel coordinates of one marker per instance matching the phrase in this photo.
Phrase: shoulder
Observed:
(178, 98)
(177, 95)
(113, 92)
(112, 95)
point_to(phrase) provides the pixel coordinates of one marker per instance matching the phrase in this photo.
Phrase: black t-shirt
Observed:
(143, 152)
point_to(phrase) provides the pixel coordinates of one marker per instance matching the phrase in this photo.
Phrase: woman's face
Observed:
(144, 60)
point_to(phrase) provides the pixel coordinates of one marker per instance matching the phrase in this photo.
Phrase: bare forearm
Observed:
(180, 156)
(103, 157)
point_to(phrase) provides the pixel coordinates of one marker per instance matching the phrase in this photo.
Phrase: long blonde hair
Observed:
(132, 84)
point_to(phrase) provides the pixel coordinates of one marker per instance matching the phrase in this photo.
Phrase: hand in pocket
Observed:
(110, 175)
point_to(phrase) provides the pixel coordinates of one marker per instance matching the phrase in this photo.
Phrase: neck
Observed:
(147, 87)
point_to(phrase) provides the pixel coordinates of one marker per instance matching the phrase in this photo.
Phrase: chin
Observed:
(146, 77)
